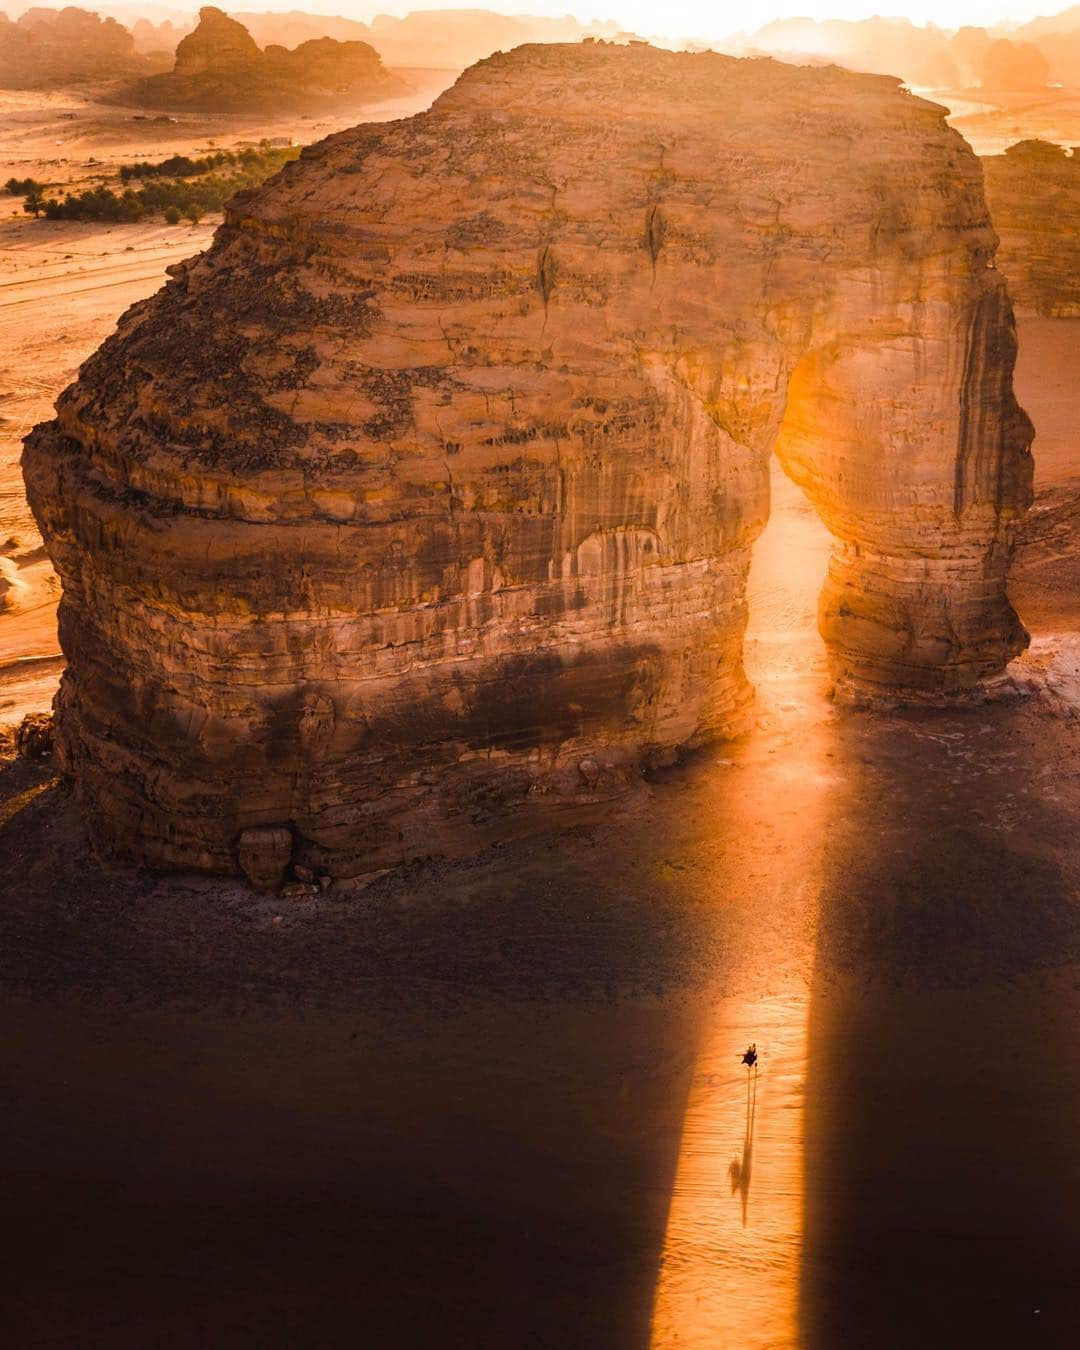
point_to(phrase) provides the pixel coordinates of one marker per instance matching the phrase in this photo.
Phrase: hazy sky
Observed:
(708, 19)
(710, 16)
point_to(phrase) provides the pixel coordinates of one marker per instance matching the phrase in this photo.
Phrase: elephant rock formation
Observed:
(421, 505)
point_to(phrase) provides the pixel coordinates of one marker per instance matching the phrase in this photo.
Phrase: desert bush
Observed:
(22, 187)
(262, 160)
(176, 197)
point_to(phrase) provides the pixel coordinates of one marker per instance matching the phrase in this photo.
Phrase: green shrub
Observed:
(174, 198)
(22, 187)
(263, 161)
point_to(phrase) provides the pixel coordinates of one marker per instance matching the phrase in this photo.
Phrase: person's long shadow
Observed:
(740, 1168)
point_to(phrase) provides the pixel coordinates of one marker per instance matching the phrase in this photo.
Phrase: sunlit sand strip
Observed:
(730, 1270)
(729, 1274)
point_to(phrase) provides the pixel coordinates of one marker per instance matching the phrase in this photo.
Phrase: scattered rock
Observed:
(34, 738)
(589, 770)
(264, 854)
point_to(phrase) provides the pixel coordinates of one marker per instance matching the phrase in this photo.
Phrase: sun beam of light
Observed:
(731, 1263)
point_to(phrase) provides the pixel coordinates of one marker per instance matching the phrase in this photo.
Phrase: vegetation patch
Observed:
(177, 188)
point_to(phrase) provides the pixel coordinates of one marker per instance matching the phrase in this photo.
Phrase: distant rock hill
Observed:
(449, 39)
(221, 68)
(1033, 191)
(59, 46)
(1042, 53)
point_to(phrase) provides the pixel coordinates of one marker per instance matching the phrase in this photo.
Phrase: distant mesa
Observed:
(1046, 51)
(1033, 191)
(221, 68)
(448, 39)
(157, 39)
(452, 39)
(1014, 65)
(49, 47)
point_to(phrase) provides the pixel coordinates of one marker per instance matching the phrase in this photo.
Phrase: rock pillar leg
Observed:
(911, 444)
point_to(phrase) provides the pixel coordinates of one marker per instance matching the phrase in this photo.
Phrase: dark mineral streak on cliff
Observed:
(421, 506)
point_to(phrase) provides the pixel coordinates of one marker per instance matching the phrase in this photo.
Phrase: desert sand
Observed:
(990, 126)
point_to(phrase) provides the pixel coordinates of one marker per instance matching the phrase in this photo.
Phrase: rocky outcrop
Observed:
(220, 68)
(48, 46)
(421, 506)
(156, 39)
(1034, 195)
(1014, 66)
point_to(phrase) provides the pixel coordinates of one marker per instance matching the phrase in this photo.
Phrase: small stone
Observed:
(34, 738)
(325, 883)
(589, 770)
(264, 854)
(298, 890)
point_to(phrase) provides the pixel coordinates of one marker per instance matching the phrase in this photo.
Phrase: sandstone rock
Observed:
(220, 68)
(263, 855)
(48, 46)
(34, 737)
(1034, 194)
(1014, 65)
(156, 39)
(219, 45)
(438, 475)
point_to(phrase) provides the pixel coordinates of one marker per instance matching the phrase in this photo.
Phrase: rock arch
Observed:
(422, 503)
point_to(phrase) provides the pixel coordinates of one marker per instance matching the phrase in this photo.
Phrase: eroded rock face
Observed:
(1034, 195)
(421, 505)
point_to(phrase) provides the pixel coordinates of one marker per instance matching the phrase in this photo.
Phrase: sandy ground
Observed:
(62, 286)
(992, 122)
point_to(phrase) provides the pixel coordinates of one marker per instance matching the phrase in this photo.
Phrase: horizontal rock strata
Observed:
(420, 507)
